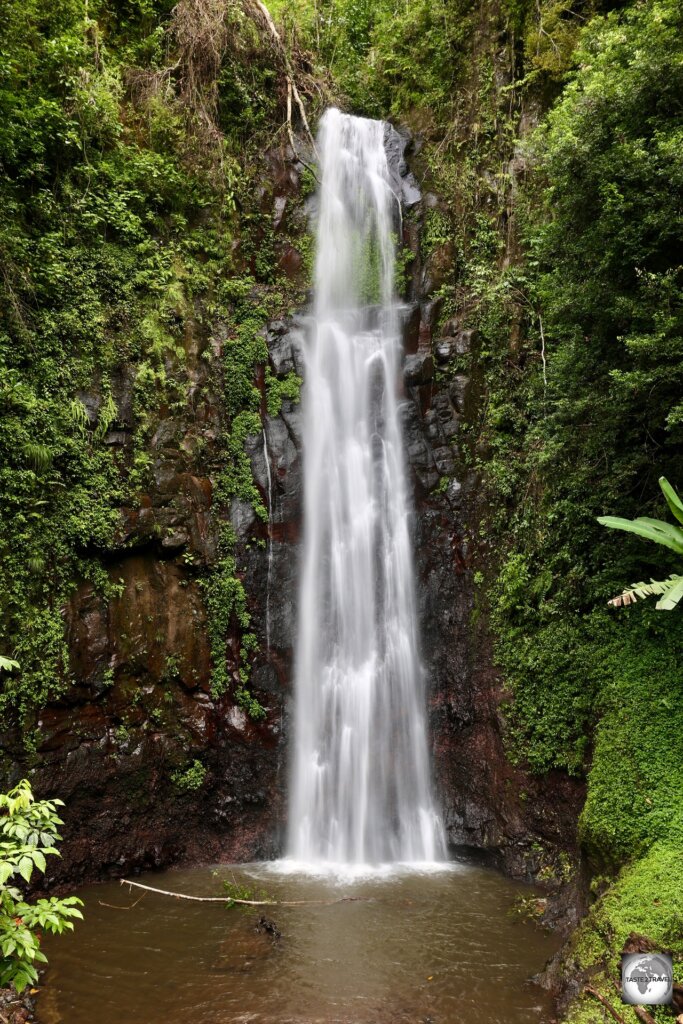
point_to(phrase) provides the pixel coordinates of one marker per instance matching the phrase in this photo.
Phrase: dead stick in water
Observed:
(112, 906)
(246, 903)
(596, 995)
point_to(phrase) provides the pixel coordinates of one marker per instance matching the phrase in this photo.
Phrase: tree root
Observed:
(291, 83)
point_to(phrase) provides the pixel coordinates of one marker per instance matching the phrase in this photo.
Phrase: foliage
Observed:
(238, 891)
(96, 249)
(370, 48)
(28, 834)
(601, 273)
(670, 590)
(129, 144)
(191, 778)
(581, 350)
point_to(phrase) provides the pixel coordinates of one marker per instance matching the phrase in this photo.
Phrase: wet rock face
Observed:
(137, 715)
(522, 822)
(139, 710)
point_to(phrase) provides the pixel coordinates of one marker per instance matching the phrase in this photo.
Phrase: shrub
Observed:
(28, 833)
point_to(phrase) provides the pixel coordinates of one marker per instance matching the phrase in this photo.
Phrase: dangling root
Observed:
(291, 84)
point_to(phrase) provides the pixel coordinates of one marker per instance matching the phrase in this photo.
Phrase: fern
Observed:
(38, 456)
(107, 417)
(79, 415)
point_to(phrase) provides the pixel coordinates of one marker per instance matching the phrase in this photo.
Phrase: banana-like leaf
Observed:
(670, 599)
(663, 533)
(672, 499)
(669, 591)
(674, 533)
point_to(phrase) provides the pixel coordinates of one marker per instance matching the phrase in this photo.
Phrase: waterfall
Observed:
(269, 480)
(361, 791)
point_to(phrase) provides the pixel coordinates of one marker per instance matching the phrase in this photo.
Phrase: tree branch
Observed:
(247, 903)
(610, 1009)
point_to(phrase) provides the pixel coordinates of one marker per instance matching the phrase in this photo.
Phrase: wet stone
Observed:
(418, 368)
(443, 458)
(285, 348)
(458, 392)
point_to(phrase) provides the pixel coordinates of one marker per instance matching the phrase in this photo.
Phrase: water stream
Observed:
(361, 790)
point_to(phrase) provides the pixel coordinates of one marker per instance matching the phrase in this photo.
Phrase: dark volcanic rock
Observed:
(418, 368)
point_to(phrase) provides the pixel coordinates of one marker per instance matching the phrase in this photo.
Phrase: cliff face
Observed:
(523, 823)
(153, 768)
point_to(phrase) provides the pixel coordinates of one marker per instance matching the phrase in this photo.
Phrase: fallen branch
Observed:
(643, 1015)
(291, 134)
(610, 1009)
(246, 903)
(113, 906)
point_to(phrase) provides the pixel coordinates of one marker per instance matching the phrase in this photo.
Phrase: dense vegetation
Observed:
(130, 229)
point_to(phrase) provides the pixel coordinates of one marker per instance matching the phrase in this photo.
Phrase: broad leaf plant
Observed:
(670, 590)
(28, 834)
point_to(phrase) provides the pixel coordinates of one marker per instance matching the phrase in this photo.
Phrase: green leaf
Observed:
(674, 533)
(25, 867)
(672, 499)
(671, 598)
(669, 536)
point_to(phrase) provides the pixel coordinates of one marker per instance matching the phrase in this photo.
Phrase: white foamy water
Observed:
(361, 791)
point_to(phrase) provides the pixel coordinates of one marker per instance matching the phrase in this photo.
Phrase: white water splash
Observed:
(361, 792)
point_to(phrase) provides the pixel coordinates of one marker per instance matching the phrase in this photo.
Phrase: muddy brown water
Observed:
(439, 948)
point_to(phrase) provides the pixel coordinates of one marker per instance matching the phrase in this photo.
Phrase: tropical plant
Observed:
(28, 833)
(669, 591)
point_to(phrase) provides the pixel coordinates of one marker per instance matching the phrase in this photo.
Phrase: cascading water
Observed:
(269, 481)
(361, 790)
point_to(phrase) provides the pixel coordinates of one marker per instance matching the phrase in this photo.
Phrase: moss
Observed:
(277, 391)
(636, 775)
(646, 898)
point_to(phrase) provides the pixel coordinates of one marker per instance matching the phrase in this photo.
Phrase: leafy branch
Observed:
(28, 834)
